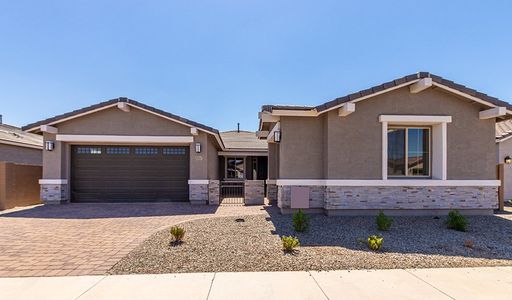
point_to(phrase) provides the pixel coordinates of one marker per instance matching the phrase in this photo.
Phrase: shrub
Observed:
(468, 244)
(178, 233)
(300, 221)
(375, 242)
(456, 221)
(383, 222)
(290, 243)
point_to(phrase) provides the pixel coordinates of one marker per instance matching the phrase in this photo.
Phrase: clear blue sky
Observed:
(217, 62)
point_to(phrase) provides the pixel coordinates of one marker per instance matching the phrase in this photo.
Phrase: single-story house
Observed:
(419, 144)
(123, 150)
(504, 156)
(20, 166)
(17, 146)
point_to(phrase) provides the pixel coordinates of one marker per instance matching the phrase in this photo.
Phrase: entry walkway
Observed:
(468, 283)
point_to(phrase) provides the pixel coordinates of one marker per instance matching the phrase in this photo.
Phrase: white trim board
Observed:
(53, 181)
(128, 139)
(198, 181)
(242, 153)
(389, 182)
(414, 119)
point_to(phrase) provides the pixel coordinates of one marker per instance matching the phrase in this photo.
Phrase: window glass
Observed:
(88, 150)
(118, 150)
(396, 151)
(146, 151)
(173, 151)
(235, 168)
(409, 151)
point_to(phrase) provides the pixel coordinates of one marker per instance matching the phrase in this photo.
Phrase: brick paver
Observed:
(88, 239)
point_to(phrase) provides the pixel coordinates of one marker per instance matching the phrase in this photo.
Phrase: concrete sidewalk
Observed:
(468, 283)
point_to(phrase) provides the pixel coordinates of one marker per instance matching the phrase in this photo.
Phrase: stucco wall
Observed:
(213, 159)
(273, 160)
(353, 144)
(301, 148)
(21, 155)
(113, 121)
(505, 149)
(19, 185)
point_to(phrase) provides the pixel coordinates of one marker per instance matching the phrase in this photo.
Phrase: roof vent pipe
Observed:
(238, 127)
(1, 121)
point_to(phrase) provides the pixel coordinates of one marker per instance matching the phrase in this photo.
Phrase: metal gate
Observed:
(232, 192)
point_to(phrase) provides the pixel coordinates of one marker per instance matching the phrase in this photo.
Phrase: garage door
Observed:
(129, 173)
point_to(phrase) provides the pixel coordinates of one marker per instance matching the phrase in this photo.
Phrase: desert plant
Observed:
(375, 242)
(178, 233)
(290, 243)
(469, 244)
(383, 222)
(456, 221)
(300, 221)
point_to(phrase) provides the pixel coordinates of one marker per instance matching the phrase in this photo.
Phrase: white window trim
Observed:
(127, 139)
(438, 148)
(384, 183)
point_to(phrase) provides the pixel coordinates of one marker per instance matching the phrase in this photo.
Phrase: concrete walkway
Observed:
(469, 283)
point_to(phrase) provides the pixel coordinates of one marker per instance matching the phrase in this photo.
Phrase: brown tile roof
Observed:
(113, 101)
(243, 140)
(438, 79)
(14, 135)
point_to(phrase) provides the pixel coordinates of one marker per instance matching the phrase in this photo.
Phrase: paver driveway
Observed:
(88, 239)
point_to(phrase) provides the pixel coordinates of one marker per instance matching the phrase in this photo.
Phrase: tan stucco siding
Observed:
(21, 155)
(353, 144)
(114, 121)
(301, 148)
(213, 159)
(273, 160)
(504, 150)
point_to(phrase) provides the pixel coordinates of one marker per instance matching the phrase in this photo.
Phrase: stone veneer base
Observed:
(54, 193)
(198, 193)
(396, 199)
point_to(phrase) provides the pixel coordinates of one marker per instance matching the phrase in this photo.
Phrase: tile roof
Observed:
(14, 135)
(503, 130)
(390, 84)
(113, 101)
(243, 140)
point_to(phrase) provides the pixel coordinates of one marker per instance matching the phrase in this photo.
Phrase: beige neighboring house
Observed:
(419, 144)
(20, 167)
(122, 150)
(504, 155)
(17, 146)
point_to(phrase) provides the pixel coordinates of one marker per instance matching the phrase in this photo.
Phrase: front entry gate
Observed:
(232, 192)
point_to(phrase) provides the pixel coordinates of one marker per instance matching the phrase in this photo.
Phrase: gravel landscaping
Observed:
(225, 245)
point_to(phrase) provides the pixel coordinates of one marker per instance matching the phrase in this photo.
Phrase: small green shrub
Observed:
(375, 242)
(383, 222)
(300, 221)
(290, 243)
(178, 233)
(456, 221)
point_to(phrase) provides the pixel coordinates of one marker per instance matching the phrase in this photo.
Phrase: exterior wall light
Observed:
(508, 160)
(49, 145)
(277, 136)
(198, 147)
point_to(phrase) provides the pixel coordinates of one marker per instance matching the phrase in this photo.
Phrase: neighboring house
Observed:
(123, 150)
(20, 166)
(419, 144)
(20, 147)
(504, 155)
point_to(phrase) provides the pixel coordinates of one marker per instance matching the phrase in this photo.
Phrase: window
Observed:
(88, 150)
(118, 150)
(235, 168)
(409, 151)
(146, 151)
(173, 151)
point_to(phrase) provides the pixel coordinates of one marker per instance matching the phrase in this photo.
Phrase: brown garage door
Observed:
(129, 173)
